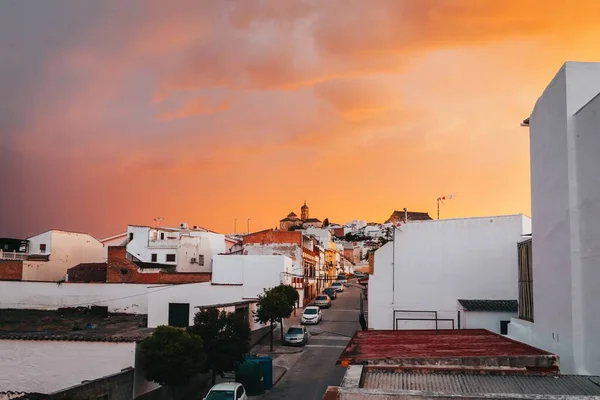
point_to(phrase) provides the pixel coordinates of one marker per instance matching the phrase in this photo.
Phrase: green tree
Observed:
(273, 305)
(226, 338)
(172, 356)
(292, 297)
(326, 223)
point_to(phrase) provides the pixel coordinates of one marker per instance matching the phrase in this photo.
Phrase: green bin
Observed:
(250, 374)
(266, 363)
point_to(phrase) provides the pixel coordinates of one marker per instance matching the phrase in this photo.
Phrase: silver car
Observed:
(296, 336)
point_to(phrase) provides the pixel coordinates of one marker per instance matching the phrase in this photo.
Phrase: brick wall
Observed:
(121, 270)
(11, 270)
(271, 236)
(117, 387)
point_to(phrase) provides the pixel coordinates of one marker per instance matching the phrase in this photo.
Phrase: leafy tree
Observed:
(326, 223)
(273, 305)
(292, 297)
(226, 339)
(172, 356)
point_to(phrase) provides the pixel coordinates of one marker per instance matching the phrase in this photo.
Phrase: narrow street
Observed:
(316, 367)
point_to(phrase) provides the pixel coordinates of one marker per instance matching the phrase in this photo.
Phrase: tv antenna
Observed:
(157, 221)
(441, 200)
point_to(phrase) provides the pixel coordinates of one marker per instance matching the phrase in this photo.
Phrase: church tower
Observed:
(304, 212)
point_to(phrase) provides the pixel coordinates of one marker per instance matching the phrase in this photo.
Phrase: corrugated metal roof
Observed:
(473, 384)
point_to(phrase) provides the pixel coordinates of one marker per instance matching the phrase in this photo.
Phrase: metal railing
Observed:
(12, 255)
(434, 319)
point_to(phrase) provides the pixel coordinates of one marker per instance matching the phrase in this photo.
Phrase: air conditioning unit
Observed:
(193, 260)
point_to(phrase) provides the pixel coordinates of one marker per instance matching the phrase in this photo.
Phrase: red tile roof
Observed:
(467, 349)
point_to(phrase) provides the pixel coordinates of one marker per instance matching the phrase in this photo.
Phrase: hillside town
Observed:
(505, 304)
(299, 200)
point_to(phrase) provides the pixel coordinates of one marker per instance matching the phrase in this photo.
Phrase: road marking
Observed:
(329, 338)
(324, 345)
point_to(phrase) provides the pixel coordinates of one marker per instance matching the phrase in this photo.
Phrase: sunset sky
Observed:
(116, 112)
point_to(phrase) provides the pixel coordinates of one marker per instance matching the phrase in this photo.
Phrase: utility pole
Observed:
(248, 225)
(234, 226)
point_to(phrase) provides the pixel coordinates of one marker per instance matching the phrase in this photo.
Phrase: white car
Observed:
(338, 286)
(227, 391)
(311, 315)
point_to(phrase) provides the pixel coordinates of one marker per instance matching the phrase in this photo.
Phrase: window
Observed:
(201, 259)
(525, 281)
(243, 312)
(170, 257)
(239, 392)
(179, 314)
(154, 257)
(42, 247)
(162, 236)
(504, 327)
(130, 236)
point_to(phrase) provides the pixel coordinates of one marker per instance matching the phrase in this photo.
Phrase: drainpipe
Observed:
(394, 271)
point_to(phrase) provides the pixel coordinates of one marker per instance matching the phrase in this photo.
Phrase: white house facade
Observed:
(186, 249)
(565, 202)
(419, 277)
(237, 281)
(53, 252)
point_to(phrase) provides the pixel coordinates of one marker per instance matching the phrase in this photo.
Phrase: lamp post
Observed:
(234, 226)
(248, 225)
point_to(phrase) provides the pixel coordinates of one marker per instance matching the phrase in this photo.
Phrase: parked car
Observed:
(311, 315)
(338, 286)
(359, 274)
(322, 301)
(331, 292)
(296, 336)
(227, 391)
(341, 278)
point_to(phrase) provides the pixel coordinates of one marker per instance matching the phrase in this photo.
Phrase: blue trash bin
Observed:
(266, 363)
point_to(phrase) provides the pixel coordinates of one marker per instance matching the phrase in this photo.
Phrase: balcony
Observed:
(163, 244)
(12, 255)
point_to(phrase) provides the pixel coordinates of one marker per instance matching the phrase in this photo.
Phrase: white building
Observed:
(189, 249)
(237, 279)
(323, 235)
(53, 252)
(430, 265)
(115, 240)
(565, 202)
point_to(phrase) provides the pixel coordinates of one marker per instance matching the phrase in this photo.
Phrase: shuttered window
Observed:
(525, 281)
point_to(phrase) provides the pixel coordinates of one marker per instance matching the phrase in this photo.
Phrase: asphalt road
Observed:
(316, 367)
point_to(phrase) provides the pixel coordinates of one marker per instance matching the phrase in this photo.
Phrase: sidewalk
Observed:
(284, 357)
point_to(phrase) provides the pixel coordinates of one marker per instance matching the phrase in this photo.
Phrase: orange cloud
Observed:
(195, 107)
(379, 107)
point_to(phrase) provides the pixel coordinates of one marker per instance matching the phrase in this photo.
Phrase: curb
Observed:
(282, 375)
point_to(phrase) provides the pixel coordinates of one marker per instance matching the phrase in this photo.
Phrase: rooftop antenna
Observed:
(441, 200)
(157, 221)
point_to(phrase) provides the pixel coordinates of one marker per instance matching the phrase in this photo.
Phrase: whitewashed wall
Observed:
(293, 251)
(565, 193)
(118, 297)
(256, 273)
(46, 366)
(115, 241)
(195, 294)
(438, 262)
(42, 238)
(323, 235)
(186, 245)
(485, 320)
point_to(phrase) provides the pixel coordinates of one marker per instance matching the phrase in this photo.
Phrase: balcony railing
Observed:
(12, 255)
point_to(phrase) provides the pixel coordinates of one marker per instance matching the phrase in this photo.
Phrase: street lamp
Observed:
(248, 225)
